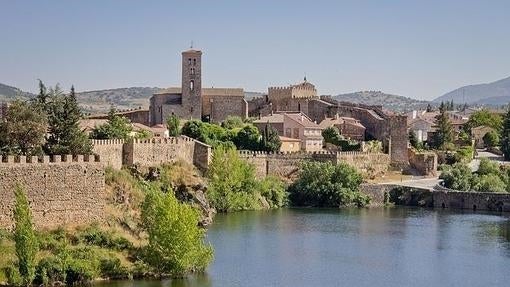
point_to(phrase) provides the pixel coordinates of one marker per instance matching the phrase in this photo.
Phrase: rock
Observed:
(195, 195)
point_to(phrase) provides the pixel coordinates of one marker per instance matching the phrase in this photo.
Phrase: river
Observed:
(354, 247)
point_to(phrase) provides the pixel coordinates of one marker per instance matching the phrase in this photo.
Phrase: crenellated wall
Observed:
(286, 165)
(110, 151)
(152, 152)
(62, 190)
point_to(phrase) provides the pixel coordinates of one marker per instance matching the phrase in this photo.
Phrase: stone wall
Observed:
(225, 106)
(423, 162)
(110, 152)
(62, 190)
(447, 198)
(152, 152)
(286, 165)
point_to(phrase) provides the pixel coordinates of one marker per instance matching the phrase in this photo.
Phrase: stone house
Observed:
(350, 128)
(290, 144)
(296, 126)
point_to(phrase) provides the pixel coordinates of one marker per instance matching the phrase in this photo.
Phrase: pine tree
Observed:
(413, 140)
(42, 97)
(270, 139)
(65, 135)
(444, 130)
(24, 237)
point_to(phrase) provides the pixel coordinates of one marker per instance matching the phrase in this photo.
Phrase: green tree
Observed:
(443, 136)
(323, 184)
(248, 138)
(173, 124)
(458, 177)
(23, 130)
(63, 118)
(484, 118)
(332, 135)
(117, 127)
(429, 108)
(270, 139)
(505, 135)
(232, 182)
(24, 237)
(413, 140)
(176, 242)
(491, 139)
(490, 183)
(233, 122)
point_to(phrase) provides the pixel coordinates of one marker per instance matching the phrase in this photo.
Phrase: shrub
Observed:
(490, 183)
(491, 139)
(273, 189)
(176, 243)
(323, 184)
(458, 176)
(232, 182)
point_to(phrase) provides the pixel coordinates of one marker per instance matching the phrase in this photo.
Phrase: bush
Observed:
(491, 139)
(323, 184)
(232, 182)
(458, 176)
(93, 235)
(490, 183)
(274, 191)
(176, 243)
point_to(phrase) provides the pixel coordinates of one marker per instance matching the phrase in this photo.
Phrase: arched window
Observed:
(194, 62)
(189, 61)
(192, 71)
(192, 85)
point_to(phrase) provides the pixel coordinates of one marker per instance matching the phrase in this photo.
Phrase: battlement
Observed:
(302, 153)
(11, 159)
(108, 142)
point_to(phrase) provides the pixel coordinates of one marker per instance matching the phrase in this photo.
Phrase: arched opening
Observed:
(443, 205)
(474, 207)
(191, 85)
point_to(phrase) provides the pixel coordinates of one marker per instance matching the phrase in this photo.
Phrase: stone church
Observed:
(191, 101)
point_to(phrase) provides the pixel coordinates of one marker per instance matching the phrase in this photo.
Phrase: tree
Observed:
(458, 177)
(484, 118)
(444, 131)
(429, 108)
(491, 139)
(233, 122)
(248, 138)
(176, 242)
(332, 135)
(173, 125)
(270, 139)
(42, 97)
(323, 184)
(413, 140)
(23, 130)
(24, 237)
(117, 127)
(505, 136)
(232, 182)
(63, 118)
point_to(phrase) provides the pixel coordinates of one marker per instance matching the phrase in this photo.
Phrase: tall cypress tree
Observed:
(444, 130)
(505, 135)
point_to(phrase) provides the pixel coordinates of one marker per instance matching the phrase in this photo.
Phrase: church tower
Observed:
(192, 83)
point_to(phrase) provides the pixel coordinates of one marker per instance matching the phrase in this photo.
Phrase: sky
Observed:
(418, 49)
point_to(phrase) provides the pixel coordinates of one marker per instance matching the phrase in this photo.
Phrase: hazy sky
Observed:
(419, 49)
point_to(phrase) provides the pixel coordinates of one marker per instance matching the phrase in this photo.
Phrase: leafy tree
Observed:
(484, 118)
(24, 237)
(23, 130)
(505, 136)
(232, 182)
(413, 140)
(274, 191)
(173, 125)
(176, 242)
(248, 138)
(444, 131)
(458, 177)
(332, 135)
(233, 122)
(270, 139)
(490, 183)
(429, 108)
(63, 118)
(491, 139)
(323, 184)
(117, 127)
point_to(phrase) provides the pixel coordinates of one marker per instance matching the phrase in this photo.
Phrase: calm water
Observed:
(354, 247)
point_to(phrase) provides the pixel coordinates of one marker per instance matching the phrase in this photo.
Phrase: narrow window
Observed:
(194, 62)
(192, 85)
(189, 61)
(192, 71)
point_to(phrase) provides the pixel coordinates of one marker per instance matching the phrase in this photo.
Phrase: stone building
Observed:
(348, 127)
(295, 125)
(191, 101)
(381, 125)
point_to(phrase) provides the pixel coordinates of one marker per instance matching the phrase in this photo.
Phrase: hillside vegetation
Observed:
(388, 101)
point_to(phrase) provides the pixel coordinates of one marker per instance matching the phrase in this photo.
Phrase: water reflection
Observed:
(354, 247)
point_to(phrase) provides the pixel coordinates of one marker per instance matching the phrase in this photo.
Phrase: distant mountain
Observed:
(495, 93)
(121, 98)
(8, 93)
(391, 102)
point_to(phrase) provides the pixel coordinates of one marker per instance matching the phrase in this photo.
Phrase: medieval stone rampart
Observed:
(447, 198)
(423, 162)
(152, 152)
(62, 190)
(286, 165)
